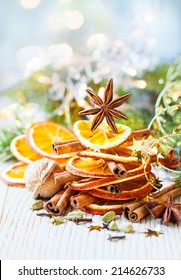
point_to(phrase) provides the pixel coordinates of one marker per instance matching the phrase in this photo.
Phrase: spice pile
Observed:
(97, 168)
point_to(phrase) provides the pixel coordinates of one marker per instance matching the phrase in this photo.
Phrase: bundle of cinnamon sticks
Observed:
(135, 211)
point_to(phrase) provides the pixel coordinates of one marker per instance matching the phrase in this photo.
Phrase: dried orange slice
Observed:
(108, 156)
(88, 167)
(21, 150)
(133, 189)
(97, 167)
(102, 182)
(98, 209)
(13, 175)
(41, 135)
(102, 137)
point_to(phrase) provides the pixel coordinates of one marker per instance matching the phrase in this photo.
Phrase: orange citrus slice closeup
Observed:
(41, 135)
(88, 167)
(97, 167)
(13, 175)
(102, 137)
(99, 209)
(21, 150)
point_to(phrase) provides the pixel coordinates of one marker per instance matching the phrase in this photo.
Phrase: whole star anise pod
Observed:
(167, 211)
(106, 108)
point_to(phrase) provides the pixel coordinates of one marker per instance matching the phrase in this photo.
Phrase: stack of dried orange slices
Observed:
(110, 174)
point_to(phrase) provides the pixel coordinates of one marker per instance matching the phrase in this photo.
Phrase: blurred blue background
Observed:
(30, 30)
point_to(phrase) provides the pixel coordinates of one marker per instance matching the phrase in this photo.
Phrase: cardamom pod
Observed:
(37, 205)
(109, 216)
(127, 228)
(113, 226)
(74, 215)
(57, 220)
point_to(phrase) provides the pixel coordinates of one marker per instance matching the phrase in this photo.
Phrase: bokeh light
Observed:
(54, 21)
(73, 19)
(97, 41)
(30, 4)
(140, 84)
(60, 53)
(65, 1)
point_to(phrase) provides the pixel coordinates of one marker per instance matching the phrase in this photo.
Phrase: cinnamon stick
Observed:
(113, 189)
(81, 200)
(117, 169)
(53, 201)
(56, 143)
(63, 178)
(67, 147)
(137, 210)
(139, 134)
(57, 204)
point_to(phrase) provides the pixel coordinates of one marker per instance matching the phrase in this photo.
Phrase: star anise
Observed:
(106, 108)
(151, 232)
(157, 183)
(167, 211)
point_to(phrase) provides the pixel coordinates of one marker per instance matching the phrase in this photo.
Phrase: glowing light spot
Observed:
(64, 2)
(130, 71)
(149, 17)
(160, 81)
(119, 43)
(104, 70)
(151, 42)
(140, 84)
(101, 92)
(54, 21)
(31, 58)
(30, 4)
(44, 80)
(73, 19)
(81, 103)
(97, 41)
(60, 52)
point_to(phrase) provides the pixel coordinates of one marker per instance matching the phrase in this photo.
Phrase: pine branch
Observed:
(6, 136)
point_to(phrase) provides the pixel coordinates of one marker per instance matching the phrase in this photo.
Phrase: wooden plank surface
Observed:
(23, 235)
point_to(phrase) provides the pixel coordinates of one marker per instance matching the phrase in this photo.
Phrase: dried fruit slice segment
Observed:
(94, 184)
(108, 156)
(97, 167)
(21, 150)
(41, 135)
(142, 190)
(13, 175)
(88, 167)
(102, 137)
(97, 209)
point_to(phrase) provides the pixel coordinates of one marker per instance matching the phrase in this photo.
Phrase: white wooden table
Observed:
(23, 235)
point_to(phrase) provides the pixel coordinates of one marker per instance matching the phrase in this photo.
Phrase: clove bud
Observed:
(117, 237)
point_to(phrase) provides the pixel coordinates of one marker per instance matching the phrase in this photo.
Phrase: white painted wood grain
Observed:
(23, 235)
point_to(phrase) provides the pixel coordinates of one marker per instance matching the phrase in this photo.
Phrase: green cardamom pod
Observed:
(127, 228)
(57, 220)
(73, 215)
(37, 205)
(113, 226)
(109, 216)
